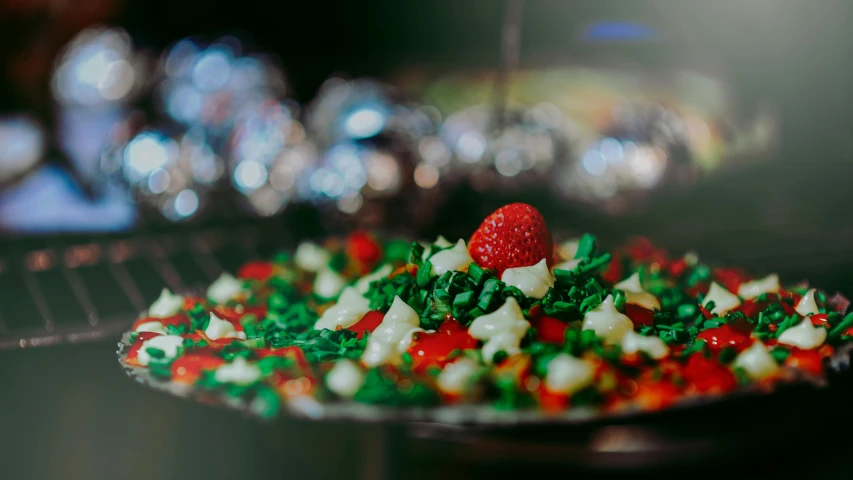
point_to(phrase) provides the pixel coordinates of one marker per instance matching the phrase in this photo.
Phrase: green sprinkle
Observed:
(155, 352)
(463, 299)
(475, 272)
(499, 357)
(490, 288)
(842, 327)
(586, 246)
(780, 354)
(619, 300)
(727, 355)
(424, 272)
(416, 253)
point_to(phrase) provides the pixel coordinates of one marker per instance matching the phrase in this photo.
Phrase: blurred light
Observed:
(383, 172)
(211, 70)
(426, 176)
(594, 163)
(471, 146)
(619, 31)
(508, 163)
(612, 150)
(186, 203)
(250, 175)
(350, 203)
(144, 154)
(158, 182)
(98, 66)
(434, 151)
(364, 123)
(22, 145)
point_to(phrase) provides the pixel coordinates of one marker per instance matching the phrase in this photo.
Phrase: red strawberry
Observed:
(514, 235)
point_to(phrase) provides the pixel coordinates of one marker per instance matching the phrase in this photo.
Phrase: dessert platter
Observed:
(506, 328)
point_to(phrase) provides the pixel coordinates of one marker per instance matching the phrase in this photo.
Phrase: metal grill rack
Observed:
(67, 290)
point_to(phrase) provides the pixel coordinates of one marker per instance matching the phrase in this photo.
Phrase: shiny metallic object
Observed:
(173, 173)
(268, 155)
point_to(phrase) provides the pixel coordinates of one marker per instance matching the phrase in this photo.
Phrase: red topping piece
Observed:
(133, 353)
(368, 322)
(704, 375)
(551, 330)
(640, 316)
(514, 235)
(256, 271)
(188, 368)
(729, 335)
(731, 278)
(364, 249)
(433, 348)
(808, 360)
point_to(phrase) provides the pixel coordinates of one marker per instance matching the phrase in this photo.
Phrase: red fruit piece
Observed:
(551, 330)
(362, 248)
(368, 322)
(256, 271)
(514, 235)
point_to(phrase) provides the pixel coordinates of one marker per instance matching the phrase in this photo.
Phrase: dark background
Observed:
(69, 412)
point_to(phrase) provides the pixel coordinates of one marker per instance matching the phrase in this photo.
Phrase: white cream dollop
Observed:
(349, 309)
(152, 326)
(568, 264)
(311, 257)
(168, 344)
(568, 374)
(363, 283)
(456, 376)
(569, 248)
(502, 329)
(723, 299)
(804, 335)
(607, 322)
(393, 336)
(635, 294)
(225, 288)
(768, 284)
(456, 258)
(328, 283)
(633, 342)
(756, 361)
(166, 305)
(807, 305)
(218, 328)
(533, 281)
(345, 378)
(442, 242)
(238, 372)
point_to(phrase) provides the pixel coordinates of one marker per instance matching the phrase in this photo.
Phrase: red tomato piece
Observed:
(368, 322)
(259, 270)
(188, 368)
(551, 330)
(133, 353)
(728, 335)
(639, 316)
(808, 360)
(731, 278)
(705, 375)
(429, 349)
(364, 249)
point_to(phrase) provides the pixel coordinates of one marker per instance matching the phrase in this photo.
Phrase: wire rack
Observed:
(61, 290)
